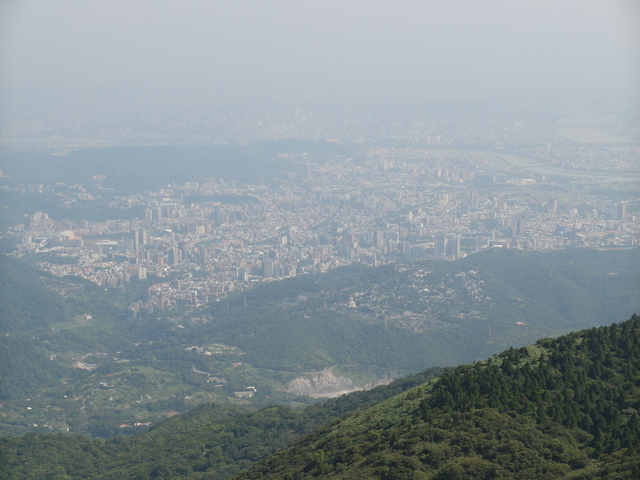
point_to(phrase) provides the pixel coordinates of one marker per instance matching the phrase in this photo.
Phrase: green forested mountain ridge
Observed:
(73, 358)
(211, 440)
(409, 315)
(565, 408)
(26, 307)
(49, 326)
(25, 303)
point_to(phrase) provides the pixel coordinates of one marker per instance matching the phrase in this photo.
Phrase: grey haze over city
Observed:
(69, 57)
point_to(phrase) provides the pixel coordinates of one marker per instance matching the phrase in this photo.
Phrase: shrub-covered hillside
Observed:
(211, 440)
(565, 408)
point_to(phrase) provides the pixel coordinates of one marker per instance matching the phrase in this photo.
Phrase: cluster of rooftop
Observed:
(202, 240)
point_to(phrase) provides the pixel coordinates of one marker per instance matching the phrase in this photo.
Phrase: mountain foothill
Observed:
(88, 392)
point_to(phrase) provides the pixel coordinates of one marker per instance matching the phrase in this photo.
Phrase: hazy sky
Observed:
(69, 50)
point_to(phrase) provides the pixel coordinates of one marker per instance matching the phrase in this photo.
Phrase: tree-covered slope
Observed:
(565, 408)
(48, 327)
(26, 307)
(417, 314)
(72, 357)
(25, 303)
(213, 441)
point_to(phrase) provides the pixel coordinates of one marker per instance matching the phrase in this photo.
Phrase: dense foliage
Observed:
(218, 440)
(25, 303)
(74, 358)
(416, 314)
(565, 408)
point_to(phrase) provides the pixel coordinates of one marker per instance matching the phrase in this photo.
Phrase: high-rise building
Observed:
(622, 211)
(473, 199)
(142, 273)
(202, 256)
(440, 245)
(139, 238)
(144, 238)
(453, 246)
(174, 256)
(268, 268)
(378, 238)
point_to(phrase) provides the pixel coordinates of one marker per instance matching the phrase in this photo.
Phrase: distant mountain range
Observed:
(38, 178)
(133, 169)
